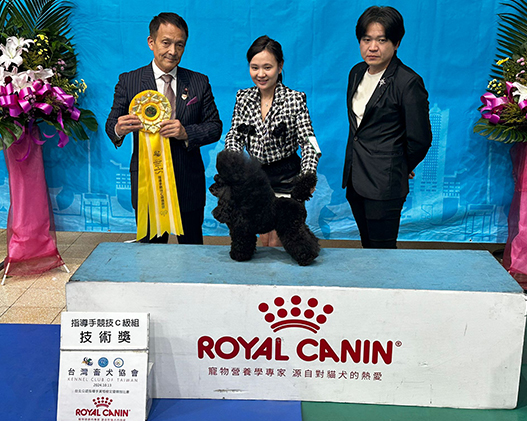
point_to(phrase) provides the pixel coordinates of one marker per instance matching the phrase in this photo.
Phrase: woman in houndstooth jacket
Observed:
(271, 121)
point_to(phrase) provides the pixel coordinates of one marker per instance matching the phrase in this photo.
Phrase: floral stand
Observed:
(38, 71)
(515, 255)
(31, 241)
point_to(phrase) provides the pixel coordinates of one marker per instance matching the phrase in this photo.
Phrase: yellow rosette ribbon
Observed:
(157, 200)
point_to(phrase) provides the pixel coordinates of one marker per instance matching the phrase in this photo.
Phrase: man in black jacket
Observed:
(389, 132)
(196, 121)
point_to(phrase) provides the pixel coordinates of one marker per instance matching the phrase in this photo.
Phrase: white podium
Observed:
(404, 327)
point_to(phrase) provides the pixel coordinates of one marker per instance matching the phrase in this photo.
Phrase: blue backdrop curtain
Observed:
(462, 190)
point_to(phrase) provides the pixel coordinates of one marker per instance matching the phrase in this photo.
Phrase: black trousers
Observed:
(192, 229)
(378, 220)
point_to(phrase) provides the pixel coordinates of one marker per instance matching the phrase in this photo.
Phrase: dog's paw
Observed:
(304, 186)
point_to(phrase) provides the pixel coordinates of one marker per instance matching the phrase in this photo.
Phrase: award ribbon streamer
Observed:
(157, 200)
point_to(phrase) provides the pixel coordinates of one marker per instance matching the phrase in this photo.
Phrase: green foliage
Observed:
(512, 34)
(509, 67)
(46, 22)
(10, 132)
(499, 132)
(30, 17)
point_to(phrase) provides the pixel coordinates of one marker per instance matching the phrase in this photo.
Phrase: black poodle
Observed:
(248, 205)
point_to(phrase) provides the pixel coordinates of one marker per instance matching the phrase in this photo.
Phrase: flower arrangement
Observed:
(504, 109)
(37, 72)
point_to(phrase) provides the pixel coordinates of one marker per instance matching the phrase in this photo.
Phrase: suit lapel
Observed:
(385, 81)
(183, 93)
(355, 80)
(279, 98)
(148, 81)
(357, 77)
(254, 112)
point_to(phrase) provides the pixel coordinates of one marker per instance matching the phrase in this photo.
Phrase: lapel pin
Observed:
(184, 96)
(382, 82)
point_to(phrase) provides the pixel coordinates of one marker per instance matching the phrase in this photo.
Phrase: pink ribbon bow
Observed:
(493, 106)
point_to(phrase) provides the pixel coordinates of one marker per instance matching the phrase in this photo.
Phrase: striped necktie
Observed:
(169, 93)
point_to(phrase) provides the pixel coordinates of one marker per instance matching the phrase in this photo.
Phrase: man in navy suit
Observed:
(196, 121)
(389, 128)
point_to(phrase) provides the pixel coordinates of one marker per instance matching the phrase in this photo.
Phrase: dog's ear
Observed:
(304, 185)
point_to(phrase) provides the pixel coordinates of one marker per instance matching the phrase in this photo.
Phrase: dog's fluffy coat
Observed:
(248, 205)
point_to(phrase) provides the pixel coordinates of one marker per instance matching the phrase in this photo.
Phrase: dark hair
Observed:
(388, 17)
(167, 18)
(265, 43)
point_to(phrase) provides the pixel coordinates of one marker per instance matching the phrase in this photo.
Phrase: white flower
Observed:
(10, 56)
(12, 51)
(19, 43)
(40, 73)
(21, 81)
(521, 91)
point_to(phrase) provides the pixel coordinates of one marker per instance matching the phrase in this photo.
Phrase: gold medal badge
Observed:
(152, 108)
(157, 194)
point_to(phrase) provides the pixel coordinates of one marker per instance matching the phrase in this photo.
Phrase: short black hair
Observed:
(167, 18)
(265, 43)
(388, 17)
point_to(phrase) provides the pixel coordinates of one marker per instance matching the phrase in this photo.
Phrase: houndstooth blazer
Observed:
(286, 126)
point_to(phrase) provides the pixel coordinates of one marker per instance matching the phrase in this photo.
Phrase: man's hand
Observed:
(173, 128)
(126, 124)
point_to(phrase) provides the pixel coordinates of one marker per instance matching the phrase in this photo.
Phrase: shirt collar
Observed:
(158, 72)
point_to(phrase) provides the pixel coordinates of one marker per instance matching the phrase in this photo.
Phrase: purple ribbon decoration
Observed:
(24, 99)
(9, 100)
(67, 100)
(29, 97)
(494, 105)
(28, 131)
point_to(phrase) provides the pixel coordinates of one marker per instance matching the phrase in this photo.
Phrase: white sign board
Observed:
(103, 373)
(405, 347)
